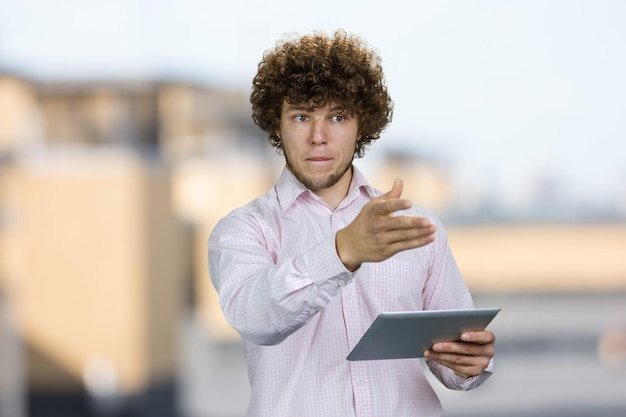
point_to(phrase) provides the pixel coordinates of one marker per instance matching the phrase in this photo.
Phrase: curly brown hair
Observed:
(317, 69)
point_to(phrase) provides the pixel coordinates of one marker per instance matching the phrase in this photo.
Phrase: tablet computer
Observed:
(407, 334)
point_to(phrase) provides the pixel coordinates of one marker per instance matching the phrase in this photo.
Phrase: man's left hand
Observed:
(467, 358)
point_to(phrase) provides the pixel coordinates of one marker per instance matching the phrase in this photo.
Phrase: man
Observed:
(303, 271)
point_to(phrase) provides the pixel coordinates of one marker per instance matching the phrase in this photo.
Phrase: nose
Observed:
(319, 135)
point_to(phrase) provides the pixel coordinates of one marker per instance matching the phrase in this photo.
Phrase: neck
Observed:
(335, 194)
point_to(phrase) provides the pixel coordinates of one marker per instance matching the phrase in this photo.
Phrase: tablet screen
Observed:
(407, 334)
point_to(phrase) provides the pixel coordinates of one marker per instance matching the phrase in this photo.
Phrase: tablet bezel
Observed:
(407, 334)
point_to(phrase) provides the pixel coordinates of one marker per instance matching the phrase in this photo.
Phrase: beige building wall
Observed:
(541, 257)
(97, 269)
(205, 190)
(20, 122)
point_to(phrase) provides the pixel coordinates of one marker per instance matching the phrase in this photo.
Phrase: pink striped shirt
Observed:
(299, 311)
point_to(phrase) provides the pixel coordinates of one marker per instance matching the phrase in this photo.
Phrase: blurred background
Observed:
(125, 134)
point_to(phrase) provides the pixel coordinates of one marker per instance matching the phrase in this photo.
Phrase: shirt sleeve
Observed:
(265, 301)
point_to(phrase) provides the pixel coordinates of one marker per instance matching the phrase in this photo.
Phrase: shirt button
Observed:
(312, 311)
(341, 283)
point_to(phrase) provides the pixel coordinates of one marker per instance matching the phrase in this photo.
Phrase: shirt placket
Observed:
(354, 329)
(358, 370)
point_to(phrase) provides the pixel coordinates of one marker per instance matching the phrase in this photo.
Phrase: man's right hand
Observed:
(376, 234)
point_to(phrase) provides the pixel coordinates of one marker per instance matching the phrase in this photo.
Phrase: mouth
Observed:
(319, 158)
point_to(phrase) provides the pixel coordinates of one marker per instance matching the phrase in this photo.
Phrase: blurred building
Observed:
(96, 257)
(108, 192)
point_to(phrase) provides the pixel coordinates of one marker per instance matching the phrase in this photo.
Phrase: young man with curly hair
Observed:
(302, 271)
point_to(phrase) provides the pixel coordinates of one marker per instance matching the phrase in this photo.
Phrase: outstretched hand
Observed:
(376, 234)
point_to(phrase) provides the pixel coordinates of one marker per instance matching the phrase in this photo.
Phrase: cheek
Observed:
(290, 152)
(350, 146)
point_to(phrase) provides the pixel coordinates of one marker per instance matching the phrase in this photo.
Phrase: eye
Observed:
(299, 118)
(339, 118)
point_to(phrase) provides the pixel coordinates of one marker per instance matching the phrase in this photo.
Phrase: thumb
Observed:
(396, 190)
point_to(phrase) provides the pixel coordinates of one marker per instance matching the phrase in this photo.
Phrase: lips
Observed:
(319, 158)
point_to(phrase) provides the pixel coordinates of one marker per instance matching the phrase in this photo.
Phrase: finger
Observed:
(450, 360)
(466, 349)
(416, 235)
(400, 246)
(411, 223)
(462, 367)
(387, 207)
(459, 359)
(481, 337)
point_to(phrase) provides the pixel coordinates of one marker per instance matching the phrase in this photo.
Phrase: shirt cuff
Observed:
(465, 384)
(327, 270)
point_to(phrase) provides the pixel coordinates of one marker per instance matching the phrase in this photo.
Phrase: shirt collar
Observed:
(288, 188)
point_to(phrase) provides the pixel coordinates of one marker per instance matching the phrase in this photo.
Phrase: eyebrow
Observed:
(297, 107)
(300, 107)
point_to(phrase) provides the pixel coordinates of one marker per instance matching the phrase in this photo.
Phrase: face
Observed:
(319, 145)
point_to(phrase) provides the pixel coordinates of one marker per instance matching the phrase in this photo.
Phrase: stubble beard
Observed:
(315, 184)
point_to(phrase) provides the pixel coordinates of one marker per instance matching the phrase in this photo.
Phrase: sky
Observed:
(510, 94)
